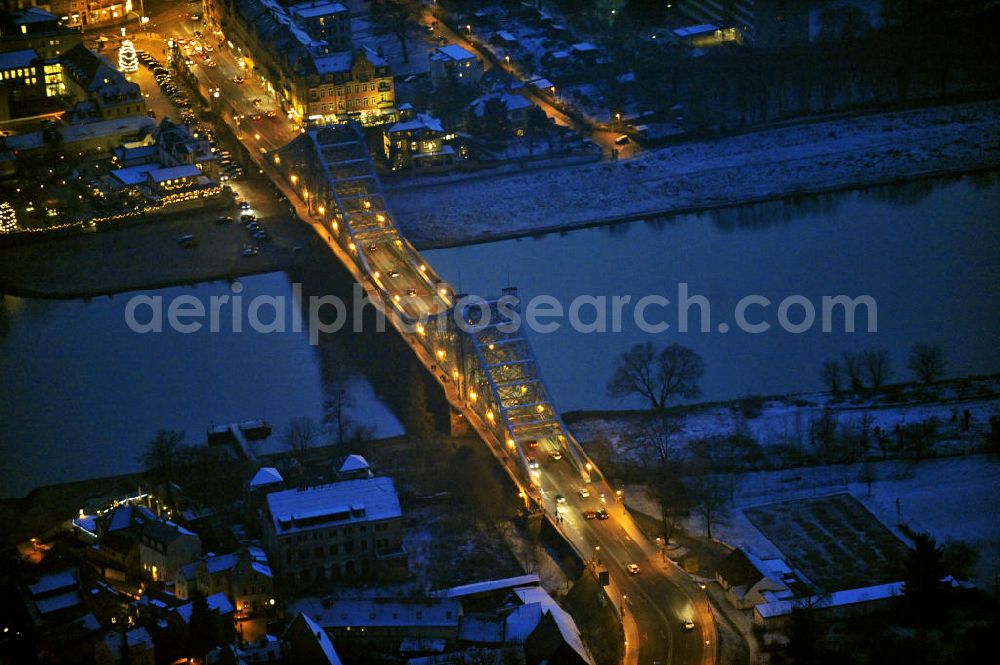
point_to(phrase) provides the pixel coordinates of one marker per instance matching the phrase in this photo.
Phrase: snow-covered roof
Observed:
(15, 59)
(220, 603)
(171, 172)
(340, 61)
(506, 36)
(60, 602)
(486, 586)
(421, 121)
(357, 462)
(129, 176)
(694, 30)
(370, 612)
(53, 582)
(510, 102)
(452, 52)
(266, 475)
(835, 599)
(323, 640)
(539, 597)
(348, 501)
(316, 8)
(583, 47)
(482, 629)
(542, 83)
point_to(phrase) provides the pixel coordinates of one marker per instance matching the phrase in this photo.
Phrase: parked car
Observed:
(224, 220)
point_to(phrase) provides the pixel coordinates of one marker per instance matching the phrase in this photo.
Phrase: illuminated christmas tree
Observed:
(127, 60)
(8, 218)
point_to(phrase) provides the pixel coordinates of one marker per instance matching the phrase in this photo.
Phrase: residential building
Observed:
(62, 622)
(351, 528)
(452, 64)
(102, 91)
(37, 29)
(134, 647)
(748, 581)
(354, 466)
(164, 547)
(325, 21)
(96, 13)
(176, 146)
(308, 643)
(385, 619)
(515, 108)
(417, 143)
(311, 66)
(243, 576)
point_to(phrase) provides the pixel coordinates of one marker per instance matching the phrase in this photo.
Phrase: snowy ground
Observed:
(785, 421)
(766, 164)
(952, 499)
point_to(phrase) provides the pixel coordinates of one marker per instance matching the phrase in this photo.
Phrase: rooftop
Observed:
(486, 586)
(346, 502)
(266, 475)
(452, 52)
(694, 30)
(315, 8)
(354, 463)
(384, 612)
(172, 172)
(62, 580)
(16, 59)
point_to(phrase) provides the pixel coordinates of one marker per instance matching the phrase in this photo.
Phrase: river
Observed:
(81, 393)
(927, 252)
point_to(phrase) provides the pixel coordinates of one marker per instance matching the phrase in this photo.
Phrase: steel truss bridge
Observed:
(485, 365)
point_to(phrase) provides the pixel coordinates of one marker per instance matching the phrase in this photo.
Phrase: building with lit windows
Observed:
(102, 92)
(304, 55)
(94, 13)
(351, 529)
(453, 64)
(34, 28)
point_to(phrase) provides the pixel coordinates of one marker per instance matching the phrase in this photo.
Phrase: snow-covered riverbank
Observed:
(817, 157)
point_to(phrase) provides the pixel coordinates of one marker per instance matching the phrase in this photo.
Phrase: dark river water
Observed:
(80, 393)
(928, 254)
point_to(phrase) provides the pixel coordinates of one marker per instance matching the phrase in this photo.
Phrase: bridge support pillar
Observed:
(459, 425)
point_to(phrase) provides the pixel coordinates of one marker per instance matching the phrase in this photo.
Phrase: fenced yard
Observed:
(834, 541)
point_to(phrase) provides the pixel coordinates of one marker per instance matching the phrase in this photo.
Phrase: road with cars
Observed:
(665, 615)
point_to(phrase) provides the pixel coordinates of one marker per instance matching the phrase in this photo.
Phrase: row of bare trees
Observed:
(871, 369)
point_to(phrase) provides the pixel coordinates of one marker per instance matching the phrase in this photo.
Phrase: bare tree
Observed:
(652, 440)
(868, 475)
(163, 457)
(674, 497)
(657, 378)
(300, 433)
(875, 364)
(852, 370)
(832, 375)
(336, 409)
(709, 496)
(927, 362)
(397, 16)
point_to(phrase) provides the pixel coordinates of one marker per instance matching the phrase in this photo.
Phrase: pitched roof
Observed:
(738, 570)
(266, 475)
(90, 70)
(345, 502)
(171, 172)
(451, 52)
(303, 625)
(15, 59)
(486, 586)
(357, 462)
